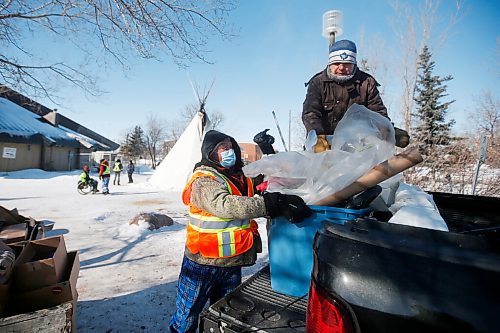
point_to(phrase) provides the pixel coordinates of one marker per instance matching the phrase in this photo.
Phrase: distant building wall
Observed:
(60, 158)
(36, 156)
(39, 149)
(86, 157)
(28, 156)
(250, 152)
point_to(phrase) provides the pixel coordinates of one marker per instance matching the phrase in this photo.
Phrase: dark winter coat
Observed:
(327, 101)
(130, 168)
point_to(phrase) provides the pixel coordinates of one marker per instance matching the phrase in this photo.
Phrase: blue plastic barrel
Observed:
(290, 247)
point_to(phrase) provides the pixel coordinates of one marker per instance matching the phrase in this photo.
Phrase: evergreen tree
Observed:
(134, 145)
(432, 129)
(124, 147)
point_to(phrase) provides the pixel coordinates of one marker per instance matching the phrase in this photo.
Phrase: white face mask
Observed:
(228, 158)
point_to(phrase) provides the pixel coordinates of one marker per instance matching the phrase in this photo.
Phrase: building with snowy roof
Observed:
(33, 136)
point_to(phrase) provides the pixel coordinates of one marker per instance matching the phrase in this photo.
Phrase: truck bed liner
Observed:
(255, 307)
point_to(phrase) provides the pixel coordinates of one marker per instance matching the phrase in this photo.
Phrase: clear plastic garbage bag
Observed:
(362, 139)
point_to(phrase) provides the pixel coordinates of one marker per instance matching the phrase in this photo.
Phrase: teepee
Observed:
(176, 168)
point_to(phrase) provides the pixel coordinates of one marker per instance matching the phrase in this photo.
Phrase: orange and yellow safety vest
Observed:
(212, 236)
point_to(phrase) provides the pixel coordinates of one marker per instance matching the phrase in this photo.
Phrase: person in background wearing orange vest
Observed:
(104, 175)
(221, 235)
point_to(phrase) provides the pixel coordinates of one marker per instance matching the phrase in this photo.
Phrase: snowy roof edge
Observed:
(54, 118)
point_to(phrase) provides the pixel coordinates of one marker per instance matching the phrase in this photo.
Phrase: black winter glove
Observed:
(402, 137)
(265, 142)
(292, 207)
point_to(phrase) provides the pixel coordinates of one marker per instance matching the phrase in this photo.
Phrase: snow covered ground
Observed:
(128, 275)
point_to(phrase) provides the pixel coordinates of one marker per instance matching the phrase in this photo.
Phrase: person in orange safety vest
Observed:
(221, 233)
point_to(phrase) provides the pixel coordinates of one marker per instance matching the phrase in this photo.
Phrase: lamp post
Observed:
(332, 25)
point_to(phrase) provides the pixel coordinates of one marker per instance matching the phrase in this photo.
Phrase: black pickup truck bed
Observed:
(255, 307)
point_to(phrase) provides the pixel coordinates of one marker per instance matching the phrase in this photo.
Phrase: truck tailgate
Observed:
(397, 278)
(255, 307)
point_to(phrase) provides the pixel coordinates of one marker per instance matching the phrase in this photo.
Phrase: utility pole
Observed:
(480, 160)
(332, 25)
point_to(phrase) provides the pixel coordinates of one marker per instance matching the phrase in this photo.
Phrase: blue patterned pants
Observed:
(197, 284)
(105, 184)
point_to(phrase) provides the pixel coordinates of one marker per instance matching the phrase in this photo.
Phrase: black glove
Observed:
(265, 142)
(292, 207)
(402, 137)
(364, 199)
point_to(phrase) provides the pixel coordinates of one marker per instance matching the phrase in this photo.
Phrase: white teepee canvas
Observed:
(176, 168)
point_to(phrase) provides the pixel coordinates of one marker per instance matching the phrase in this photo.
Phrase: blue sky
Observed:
(278, 48)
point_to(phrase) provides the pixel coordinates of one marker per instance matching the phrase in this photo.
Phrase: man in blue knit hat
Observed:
(331, 92)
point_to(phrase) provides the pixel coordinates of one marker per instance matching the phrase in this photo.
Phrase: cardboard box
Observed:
(4, 295)
(41, 263)
(18, 247)
(9, 217)
(52, 295)
(57, 319)
(13, 233)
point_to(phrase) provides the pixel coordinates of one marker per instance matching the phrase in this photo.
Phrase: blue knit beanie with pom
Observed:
(343, 51)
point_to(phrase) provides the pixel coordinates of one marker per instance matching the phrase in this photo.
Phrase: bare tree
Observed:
(451, 169)
(374, 55)
(121, 29)
(216, 117)
(154, 135)
(216, 120)
(414, 29)
(487, 114)
(176, 128)
(445, 168)
(299, 132)
(174, 131)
